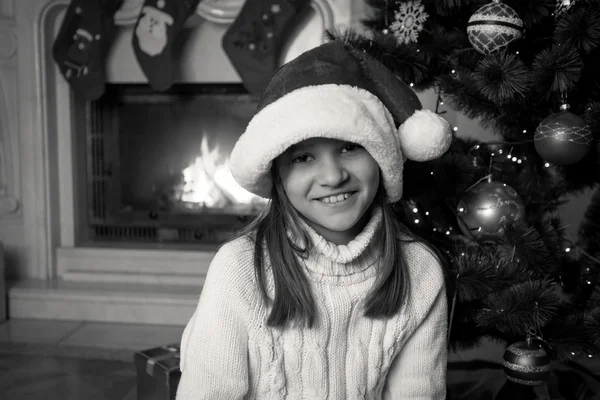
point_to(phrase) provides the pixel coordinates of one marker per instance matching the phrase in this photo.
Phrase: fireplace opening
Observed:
(156, 166)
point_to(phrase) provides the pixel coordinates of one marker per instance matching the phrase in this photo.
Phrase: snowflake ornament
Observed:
(408, 22)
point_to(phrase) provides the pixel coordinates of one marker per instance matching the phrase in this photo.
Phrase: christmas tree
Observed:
(528, 70)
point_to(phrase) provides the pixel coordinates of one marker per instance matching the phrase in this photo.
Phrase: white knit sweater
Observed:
(229, 352)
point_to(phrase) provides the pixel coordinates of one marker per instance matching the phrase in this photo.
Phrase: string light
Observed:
(455, 128)
(547, 165)
(416, 221)
(568, 249)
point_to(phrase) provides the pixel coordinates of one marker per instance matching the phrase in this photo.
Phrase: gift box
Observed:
(158, 372)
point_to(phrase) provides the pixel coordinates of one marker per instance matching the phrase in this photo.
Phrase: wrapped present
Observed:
(158, 372)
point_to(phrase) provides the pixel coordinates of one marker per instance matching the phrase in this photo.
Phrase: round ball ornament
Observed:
(493, 27)
(484, 211)
(563, 138)
(527, 362)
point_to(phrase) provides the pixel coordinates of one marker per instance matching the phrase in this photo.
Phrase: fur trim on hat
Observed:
(424, 136)
(330, 111)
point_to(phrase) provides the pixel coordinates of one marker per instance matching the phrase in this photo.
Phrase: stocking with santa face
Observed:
(82, 43)
(157, 26)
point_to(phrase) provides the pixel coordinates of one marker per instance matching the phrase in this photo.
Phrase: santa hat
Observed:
(338, 92)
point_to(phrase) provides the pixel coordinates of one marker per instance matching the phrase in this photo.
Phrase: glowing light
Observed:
(568, 249)
(416, 221)
(455, 128)
(415, 210)
(547, 165)
(514, 158)
(426, 212)
(208, 183)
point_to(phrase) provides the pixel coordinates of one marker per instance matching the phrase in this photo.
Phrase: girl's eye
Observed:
(351, 147)
(302, 158)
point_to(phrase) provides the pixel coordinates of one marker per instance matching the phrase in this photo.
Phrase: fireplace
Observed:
(155, 165)
(86, 241)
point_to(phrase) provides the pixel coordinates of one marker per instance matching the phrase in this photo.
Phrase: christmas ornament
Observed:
(408, 22)
(82, 43)
(484, 211)
(563, 6)
(493, 27)
(527, 362)
(156, 28)
(563, 138)
(254, 41)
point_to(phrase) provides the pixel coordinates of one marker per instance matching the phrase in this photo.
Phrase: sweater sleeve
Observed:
(214, 359)
(418, 371)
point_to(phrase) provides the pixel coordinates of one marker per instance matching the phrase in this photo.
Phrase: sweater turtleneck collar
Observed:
(344, 263)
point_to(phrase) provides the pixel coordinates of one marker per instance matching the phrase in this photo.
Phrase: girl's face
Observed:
(331, 184)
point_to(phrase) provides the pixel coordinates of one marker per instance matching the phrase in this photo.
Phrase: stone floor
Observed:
(66, 360)
(72, 360)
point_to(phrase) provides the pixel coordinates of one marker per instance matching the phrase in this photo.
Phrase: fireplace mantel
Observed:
(52, 277)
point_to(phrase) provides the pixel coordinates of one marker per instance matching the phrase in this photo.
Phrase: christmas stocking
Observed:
(253, 42)
(82, 43)
(155, 31)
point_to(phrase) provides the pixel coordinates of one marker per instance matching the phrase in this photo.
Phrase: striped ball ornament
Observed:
(493, 27)
(527, 362)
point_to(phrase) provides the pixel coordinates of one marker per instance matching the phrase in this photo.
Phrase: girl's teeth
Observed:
(335, 199)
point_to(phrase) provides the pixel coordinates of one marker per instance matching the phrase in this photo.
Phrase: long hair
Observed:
(293, 301)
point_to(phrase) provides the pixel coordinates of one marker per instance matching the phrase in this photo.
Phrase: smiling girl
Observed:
(326, 295)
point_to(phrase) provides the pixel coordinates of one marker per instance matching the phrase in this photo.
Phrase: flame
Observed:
(208, 182)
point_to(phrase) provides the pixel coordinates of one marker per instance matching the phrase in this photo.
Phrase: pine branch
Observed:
(559, 69)
(579, 28)
(592, 326)
(589, 230)
(476, 271)
(502, 78)
(520, 309)
(567, 336)
(524, 244)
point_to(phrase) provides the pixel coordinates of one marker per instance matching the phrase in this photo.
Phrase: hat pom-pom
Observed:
(424, 136)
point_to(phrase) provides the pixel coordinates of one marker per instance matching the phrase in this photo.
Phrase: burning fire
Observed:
(208, 182)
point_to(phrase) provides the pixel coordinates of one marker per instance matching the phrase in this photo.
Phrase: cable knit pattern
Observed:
(229, 352)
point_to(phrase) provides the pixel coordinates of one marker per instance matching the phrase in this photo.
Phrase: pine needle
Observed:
(579, 28)
(558, 70)
(520, 309)
(502, 78)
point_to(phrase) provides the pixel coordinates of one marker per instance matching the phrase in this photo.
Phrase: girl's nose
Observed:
(332, 172)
